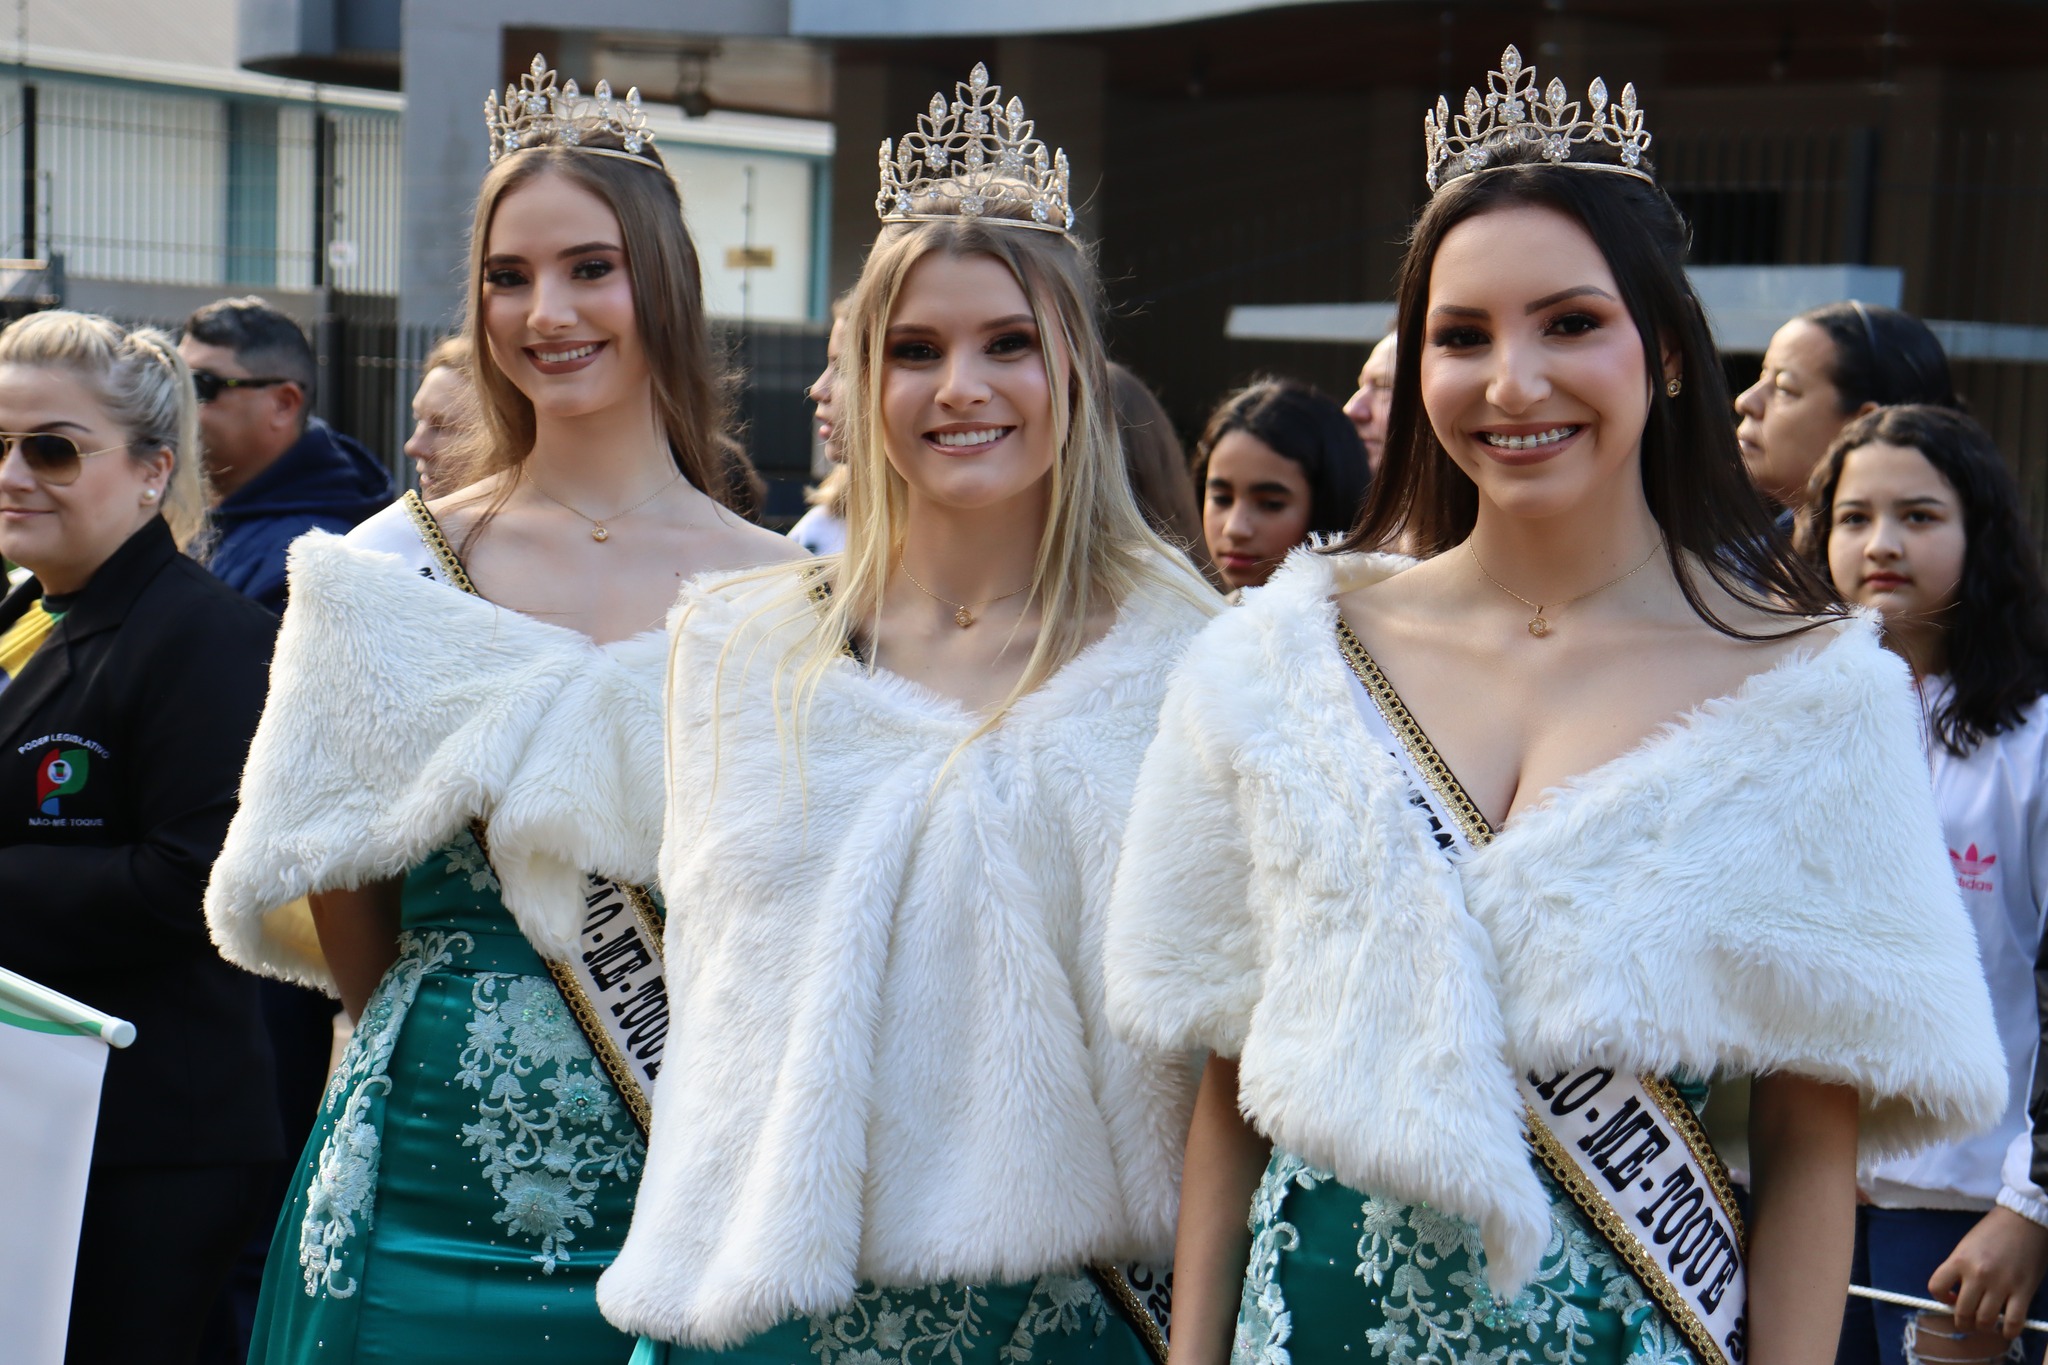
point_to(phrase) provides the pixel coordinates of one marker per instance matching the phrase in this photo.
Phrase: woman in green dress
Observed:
(1466, 871)
(459, 765)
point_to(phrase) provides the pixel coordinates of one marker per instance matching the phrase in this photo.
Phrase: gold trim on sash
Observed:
(616, 1065)
(1569, 1175)
(1116, 1287)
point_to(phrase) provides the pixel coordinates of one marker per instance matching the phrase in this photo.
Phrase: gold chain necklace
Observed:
(1538, 625)
(597, 524)
(963, 612)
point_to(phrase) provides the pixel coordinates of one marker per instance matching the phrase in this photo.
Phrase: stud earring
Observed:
(149, 497)
(1673, 387)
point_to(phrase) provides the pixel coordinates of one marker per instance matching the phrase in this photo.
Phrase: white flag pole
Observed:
(53, 1056)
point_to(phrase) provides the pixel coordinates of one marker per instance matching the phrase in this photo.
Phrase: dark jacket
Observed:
(146, 694)
(325, 481)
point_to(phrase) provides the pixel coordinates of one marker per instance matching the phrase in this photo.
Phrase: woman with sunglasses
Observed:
(130, 682)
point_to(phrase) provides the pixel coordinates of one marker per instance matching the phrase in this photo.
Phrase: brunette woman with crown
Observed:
(459, 762)
(893, 1124)
(1470, 872)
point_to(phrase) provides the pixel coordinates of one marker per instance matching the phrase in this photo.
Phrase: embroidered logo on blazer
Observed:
(1972, 868)
(60, 773)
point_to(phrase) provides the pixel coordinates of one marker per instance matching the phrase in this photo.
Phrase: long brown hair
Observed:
(690, 380)
(1714, 521)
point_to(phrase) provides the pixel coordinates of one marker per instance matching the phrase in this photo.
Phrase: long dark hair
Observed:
(1309, 428)
(1713, 520)
(1997, 628)
(1883, 356)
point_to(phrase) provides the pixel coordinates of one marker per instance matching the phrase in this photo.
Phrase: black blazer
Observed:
(121, 744)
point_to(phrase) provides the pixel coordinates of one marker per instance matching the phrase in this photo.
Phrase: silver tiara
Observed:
(974, 158)
(538, 113)
(1511, 113)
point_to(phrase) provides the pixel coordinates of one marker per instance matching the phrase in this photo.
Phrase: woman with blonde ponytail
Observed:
(892, 1124)
(130, 683)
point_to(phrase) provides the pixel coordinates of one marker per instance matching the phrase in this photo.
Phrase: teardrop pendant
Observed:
(599, 533)
(963, 618)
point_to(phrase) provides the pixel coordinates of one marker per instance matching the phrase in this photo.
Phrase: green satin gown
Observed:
(1054, 1320)
(1338, 1277)
(473, 1169)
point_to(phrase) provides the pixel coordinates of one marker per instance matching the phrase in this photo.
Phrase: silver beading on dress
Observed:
(1512, 113)
(538, 113)
(974, 158)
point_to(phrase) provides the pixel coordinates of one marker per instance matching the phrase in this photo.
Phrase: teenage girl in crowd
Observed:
(443, 414)
(1469, 872)
(1277, 463)
(822, 528)
(460, 762)
(1914, 513)
(893, 1123)
(1822, 369)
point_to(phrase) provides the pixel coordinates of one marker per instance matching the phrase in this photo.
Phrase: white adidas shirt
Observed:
(1994, 811)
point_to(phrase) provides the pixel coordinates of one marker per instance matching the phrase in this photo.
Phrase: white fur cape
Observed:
(887, 1059)
(402, 709)
(1760, 887)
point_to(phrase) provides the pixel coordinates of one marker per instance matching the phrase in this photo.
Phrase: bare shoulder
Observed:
(1392, 595)
(730, 541)
(457, 511)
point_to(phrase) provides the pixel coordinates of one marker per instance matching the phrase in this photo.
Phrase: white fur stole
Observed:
(401, 710)
(1760, 887)
(888, 1058)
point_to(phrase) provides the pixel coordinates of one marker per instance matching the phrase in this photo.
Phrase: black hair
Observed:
(1308, 427)
(1997, 628)
(1883, 356)
(266, 342)
(1712, 518)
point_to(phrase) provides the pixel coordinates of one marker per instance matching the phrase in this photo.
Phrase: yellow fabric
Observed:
(21, 640)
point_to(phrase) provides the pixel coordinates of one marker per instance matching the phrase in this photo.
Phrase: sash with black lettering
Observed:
(612, 981)
(1628, 1149)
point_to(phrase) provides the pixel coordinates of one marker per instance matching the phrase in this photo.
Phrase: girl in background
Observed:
(1277, 464)
(1915, 514)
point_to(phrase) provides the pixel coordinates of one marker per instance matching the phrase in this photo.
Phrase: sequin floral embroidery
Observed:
(341, 1195)
(945, 1322)
(549, 1128)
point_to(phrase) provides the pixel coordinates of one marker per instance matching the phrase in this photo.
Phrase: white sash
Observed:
(1628, 1150)
(613, 982)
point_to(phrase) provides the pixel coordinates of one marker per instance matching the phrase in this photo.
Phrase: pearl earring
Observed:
(149, 496)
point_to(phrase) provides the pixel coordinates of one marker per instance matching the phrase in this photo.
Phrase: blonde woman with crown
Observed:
(1468, 873)
(459, 763)
(893, 1124)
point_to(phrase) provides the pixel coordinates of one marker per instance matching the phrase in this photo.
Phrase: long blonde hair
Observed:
(691, 387)
(1096, 547)
(145, 387)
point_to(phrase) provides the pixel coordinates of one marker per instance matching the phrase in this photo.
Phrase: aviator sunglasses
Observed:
(208, 386)
(52, 458)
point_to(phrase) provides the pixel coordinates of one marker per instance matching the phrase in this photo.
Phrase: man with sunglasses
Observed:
(276, 470)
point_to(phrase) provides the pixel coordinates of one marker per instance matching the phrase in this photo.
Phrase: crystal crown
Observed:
(537, 113)
(1512, 112)
(974, 158)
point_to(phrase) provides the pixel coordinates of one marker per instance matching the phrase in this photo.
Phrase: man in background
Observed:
(1368, 407)
(277, 471)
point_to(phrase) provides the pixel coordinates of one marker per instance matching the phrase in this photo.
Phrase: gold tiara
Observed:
(974, 158)
(1511, 113)
(538, 113)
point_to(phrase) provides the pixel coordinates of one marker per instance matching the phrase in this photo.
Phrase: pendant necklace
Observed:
(963, 612)
(598, 532)
(1539, 625)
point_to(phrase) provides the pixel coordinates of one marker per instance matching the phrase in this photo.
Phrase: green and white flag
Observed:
(53, 1055)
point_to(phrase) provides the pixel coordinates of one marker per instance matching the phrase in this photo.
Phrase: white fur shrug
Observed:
(887, 1058)
(402, 709)
(1760, 887)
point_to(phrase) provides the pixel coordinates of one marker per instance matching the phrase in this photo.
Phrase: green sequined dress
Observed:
(1337, 1276)
(473, 1169)
(1053, 1320)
